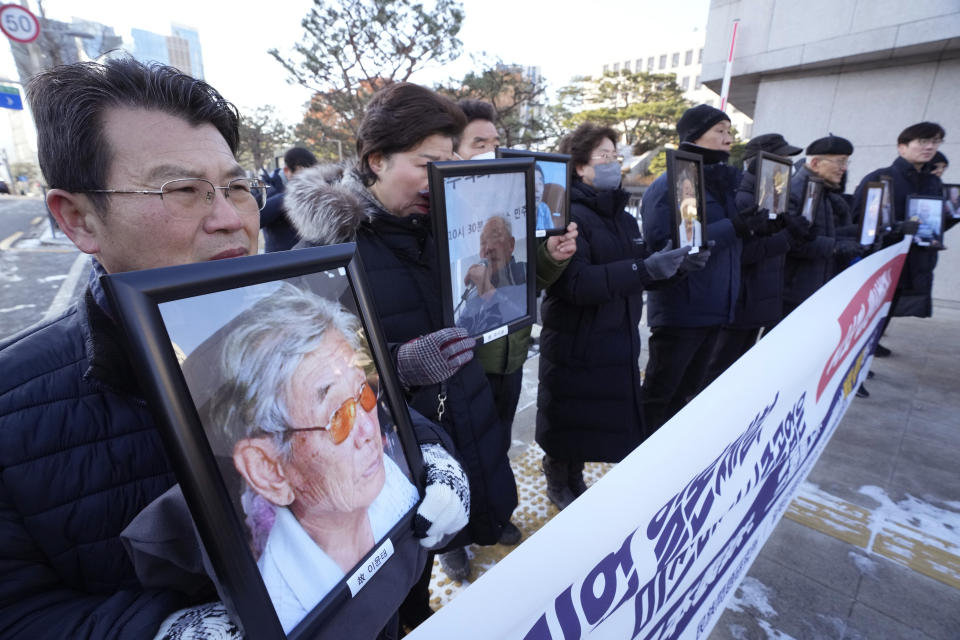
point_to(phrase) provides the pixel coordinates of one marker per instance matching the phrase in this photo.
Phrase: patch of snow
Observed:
(52, 278)
(752, 594)
(863, 563)
(17, 308)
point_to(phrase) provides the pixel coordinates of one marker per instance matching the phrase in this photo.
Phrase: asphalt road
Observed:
(35, 265)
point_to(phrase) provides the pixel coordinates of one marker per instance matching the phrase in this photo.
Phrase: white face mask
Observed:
(489, 155)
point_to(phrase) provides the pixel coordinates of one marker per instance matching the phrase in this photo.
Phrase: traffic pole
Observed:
(725, 89)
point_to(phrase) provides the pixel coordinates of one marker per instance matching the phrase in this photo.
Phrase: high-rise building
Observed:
(180, 49)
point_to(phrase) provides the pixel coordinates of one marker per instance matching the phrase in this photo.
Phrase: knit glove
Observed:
(798, 226)
(697, 261)
(750, 221)
(204, 622)
(433, 358)
(446, 504)
(845, 248)
(664, 263)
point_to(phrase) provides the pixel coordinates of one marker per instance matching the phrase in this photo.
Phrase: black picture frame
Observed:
(812, 195)
(928, 212)
(464, 197)
(869, 213)
(685, 183)
(155, 306)
(555, 200)
(951, 201)
(772, 190)
(886, 204)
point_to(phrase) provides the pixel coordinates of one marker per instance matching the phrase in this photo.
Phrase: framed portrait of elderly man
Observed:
(486, 243)
(870, 213)
(813, 192)
(772, 189)
(552, 175)
(886, 204)
(928, 212)
(688, 199)
(286, 428)
(951, 201)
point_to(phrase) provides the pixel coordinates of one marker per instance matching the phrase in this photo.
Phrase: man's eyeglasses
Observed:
(343, 419)
(194, 197)
(843, 163)
(605, 156)
(926, 142)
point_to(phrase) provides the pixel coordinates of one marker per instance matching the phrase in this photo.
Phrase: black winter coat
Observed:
(589, 399)
(762, 261)
(706, 298)
(400, 259)
(810, 264)
(79, 458)
(915, 287)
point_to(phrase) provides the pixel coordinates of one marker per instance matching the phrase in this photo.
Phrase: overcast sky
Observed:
(563, 38)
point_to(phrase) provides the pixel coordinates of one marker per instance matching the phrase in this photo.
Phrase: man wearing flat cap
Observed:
(831, 242)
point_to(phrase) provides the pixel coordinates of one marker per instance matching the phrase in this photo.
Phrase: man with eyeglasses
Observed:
(912, 174)
(140, 161)
(829, 244)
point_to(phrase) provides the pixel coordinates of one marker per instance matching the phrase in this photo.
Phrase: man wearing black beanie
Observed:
(685, 316)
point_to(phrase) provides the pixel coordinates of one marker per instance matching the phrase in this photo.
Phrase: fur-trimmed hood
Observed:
(327, 204)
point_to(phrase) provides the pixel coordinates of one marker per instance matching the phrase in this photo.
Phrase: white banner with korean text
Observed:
(657, 546)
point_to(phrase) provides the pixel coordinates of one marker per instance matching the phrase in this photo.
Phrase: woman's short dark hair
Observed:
(398, 118)
(584, 139)
(920, 131)
(69, 102)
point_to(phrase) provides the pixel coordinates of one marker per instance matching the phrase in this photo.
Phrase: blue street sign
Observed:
(10, 98)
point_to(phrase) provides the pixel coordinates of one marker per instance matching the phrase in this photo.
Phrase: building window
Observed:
(663, 61)
(626, 66)
(616, 67)
(700, 56)
(688, 58)
(696, 83)
(685, 84)
(650, 64)
(675, 60)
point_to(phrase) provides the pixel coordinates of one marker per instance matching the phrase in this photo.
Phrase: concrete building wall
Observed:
(862, 69)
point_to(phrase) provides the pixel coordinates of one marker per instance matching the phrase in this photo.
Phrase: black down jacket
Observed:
(79, 458)
(762, 260)
(915, 287)
(589, 400)
(400, 258)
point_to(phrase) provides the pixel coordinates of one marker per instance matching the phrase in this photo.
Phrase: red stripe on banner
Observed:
(857, 317)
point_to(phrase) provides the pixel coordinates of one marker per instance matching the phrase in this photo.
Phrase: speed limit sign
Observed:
(18, 23)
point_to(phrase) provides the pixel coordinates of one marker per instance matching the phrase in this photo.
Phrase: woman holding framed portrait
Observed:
(382, 203)
(588, 404)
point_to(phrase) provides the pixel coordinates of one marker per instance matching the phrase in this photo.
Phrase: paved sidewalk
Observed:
(870, 548)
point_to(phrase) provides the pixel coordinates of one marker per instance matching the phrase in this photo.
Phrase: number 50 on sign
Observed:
(18, 23)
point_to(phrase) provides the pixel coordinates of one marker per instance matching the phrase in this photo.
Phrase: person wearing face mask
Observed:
(685, 318)
(589, 399)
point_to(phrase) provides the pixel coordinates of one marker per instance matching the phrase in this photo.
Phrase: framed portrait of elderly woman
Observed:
(486, 242)
(870, 213)
(688, 199)
(951, 201)
(552, 175)
(286, 427)
(886, 204)
(813, 192)
(772, 191)
(928, 212)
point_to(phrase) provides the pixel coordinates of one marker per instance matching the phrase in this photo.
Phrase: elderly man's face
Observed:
(496, 244)
(830, 167)
(141, 231)
(327, 477)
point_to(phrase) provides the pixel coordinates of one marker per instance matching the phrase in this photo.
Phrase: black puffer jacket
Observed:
(915, 287)
(400, 258)
(762, 261)
(589, 400)
(79, 458)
